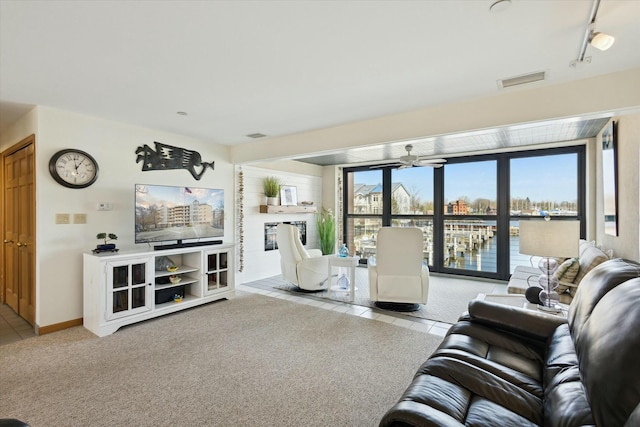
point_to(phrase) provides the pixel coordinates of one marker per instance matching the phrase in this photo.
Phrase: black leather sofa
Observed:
(505, 366)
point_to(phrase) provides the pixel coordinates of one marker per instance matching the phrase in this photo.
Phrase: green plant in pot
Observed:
(271, 186)
(326, 223)
(106, 237)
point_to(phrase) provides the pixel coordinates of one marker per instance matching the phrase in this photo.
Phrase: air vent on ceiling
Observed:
(256, 135)
(521, 80)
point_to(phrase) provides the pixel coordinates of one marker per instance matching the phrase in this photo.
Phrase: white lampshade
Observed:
(602, 41)
(550, 238)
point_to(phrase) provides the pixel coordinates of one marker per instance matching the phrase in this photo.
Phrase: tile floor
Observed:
(265, 287)
(13, 327)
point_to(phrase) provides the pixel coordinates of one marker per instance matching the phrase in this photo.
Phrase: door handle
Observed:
(8, 241)
(20, 244)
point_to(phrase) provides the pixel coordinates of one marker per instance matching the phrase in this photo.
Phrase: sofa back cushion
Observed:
(600, 280)
(608, 352)
(604, 320)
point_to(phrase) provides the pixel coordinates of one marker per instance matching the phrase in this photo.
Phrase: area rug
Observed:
(250, 361)
(448, 296)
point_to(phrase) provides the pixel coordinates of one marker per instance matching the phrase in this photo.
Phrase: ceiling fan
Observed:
(411, 160)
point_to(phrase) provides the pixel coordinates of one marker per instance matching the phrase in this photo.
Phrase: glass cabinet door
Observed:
(218, 271)
(128, 287)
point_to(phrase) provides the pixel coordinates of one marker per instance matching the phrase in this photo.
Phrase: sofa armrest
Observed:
(519, 321)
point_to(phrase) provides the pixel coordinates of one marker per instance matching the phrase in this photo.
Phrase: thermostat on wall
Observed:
(105, 206)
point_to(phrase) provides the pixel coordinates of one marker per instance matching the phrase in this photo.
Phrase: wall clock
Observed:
(73, 168)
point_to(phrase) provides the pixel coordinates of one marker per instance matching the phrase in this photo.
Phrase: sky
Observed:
(539, 178)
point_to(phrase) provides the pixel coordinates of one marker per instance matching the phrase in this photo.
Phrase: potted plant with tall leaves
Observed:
(326, 223)
(271, 185)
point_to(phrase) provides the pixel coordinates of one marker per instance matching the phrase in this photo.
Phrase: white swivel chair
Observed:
(305, 268)
(398, 280)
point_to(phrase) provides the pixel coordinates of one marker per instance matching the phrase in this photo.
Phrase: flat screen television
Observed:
(188, 216)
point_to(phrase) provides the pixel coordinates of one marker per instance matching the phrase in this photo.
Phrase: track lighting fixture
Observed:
(597, 39)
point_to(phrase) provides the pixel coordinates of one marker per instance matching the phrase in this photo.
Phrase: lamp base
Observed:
(550, 309)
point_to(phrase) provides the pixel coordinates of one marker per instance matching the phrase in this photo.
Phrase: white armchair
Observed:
(398, 279)
(305, 268)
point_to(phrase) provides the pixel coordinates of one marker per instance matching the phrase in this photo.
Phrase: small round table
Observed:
(350, 262)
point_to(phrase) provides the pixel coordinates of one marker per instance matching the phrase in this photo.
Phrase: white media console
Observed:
(125, 288)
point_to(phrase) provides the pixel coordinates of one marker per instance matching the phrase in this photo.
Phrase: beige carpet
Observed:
(448, 296)
(250, 361)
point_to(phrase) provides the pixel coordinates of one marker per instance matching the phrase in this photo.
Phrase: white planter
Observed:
(272, 201)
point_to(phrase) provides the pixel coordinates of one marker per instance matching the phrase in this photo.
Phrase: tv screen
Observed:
(167, 213)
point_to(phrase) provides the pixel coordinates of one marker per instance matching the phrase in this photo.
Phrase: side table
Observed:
(350, 262)
(517, 300)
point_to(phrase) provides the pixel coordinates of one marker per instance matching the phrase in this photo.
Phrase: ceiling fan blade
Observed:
(384, 165)
(427, 161)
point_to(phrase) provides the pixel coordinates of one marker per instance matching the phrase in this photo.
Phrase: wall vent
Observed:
(521, 80)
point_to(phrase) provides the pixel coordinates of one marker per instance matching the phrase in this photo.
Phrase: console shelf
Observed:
(125, 288)
(287, 209)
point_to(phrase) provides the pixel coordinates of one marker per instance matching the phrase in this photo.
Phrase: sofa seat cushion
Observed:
(505, 356)
(565, 400)
(452, 392)
(561, 354)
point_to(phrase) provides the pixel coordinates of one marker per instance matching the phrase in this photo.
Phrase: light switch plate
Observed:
(62, 218)
(79, 218)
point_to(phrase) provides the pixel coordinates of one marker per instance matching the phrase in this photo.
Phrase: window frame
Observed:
(502, 218)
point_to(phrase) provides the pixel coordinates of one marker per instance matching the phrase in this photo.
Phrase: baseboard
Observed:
(42, 330)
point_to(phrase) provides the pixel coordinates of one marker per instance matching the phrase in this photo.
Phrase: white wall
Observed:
(59, 247)
(606, 94)
(259, 263)
(22, 128)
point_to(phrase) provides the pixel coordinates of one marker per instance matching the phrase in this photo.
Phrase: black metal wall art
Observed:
(166, 157)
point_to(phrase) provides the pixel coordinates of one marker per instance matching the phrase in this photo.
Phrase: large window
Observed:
(469, 211)
(540, 186)
(364, 202)
(471, 195)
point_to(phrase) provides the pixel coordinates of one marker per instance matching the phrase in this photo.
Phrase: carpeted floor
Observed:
(448, 296)
(249, 361)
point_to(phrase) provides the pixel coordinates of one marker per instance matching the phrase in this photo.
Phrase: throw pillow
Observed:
(567, 273)
(589, 258)
(568, 270)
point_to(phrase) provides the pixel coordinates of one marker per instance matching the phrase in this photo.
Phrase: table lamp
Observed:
(549, 240)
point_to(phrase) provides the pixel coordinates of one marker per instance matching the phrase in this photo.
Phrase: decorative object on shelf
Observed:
(164, 263)
(166, 157)
(172, 268)
(343, 252)
(279, 209)
(326, 223)
(343, 282)
(73, 168)
(175, 279)
(288, 195)
(271, 185)
(177, 298)
(106, 247)
(306, 203)
(549, 239)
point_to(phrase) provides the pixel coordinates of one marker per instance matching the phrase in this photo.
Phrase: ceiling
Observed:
(284, 67)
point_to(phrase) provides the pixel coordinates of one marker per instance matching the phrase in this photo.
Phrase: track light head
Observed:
(601, 41)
